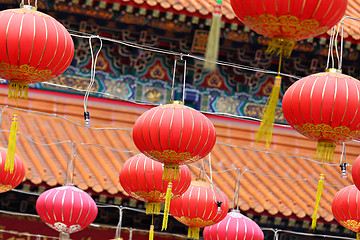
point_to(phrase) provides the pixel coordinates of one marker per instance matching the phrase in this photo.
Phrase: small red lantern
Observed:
(356, 172)
(141, 178)
(287, 21)
(200, 206)
(34, 47)
(9, 180)
(345, 208)
(66, 209)
(325, 108)
(234, 226)
(173, 134)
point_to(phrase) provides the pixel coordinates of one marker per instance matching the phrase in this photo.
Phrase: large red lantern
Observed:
(200, 206)
(66, 209)
(345, 208)
(173, 134)
(287, 21)
(325, 108)
(9, 180)
(234, 226)
(34, 47)
(141, 178)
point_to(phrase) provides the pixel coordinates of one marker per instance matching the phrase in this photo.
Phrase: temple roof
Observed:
(281, 180)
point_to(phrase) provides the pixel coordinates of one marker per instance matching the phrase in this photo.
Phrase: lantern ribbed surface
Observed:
(141, 178)
(66, 209)
(289, 19)
(345, 208)
(197, 207)
(10, 180)
(234, 226)
(174, 134)
(34, 47)
(324, 106)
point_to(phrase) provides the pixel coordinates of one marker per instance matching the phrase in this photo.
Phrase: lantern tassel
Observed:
(167, 206)
(325, 151)
(193, 233)
(64, 236)
(151, 232)
(357, 236)
(171, 172)
(268, 119)
(280, 46)
(10, 155)
(212, 46)
(18, 90)
(153, 208)
(317, 201)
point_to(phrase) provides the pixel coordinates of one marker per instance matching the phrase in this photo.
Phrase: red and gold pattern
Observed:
(289, 20)
(345, 208)
(141, 178)
(174, 134)
(34, 47)
(324, 107)
(198, 207)
(8, 179)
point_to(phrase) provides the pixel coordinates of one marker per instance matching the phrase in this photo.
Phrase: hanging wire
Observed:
(342, 45)
(118, 227)
(330, 51)
(173, 81)
(237, 188)
(70, 165)
(184, 82)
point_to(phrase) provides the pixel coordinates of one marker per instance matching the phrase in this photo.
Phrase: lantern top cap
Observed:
(333, 70)
(28, 7)
(176, 102)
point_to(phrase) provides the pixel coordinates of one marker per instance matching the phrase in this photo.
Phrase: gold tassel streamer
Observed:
(280, 46)
(171, 172)
(212, 46)
(64, 236)
(18, 90)
(151, 232)
(153, 208)
(167, 206)
(357, 236)
(268, 119)
(325, 151)
(193, 233)
(317, 201)
(10, 155)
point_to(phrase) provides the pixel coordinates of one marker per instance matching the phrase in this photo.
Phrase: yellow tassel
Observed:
(317, 201)
(18, 90)
(64, 236)
(212, 46)
(151, 232)
(268, 119)
(167, 206)
(325, 151)
(279, 46)
(357, 236)
(193, 233)
(171, 172)
(153, 208)
(10, 155)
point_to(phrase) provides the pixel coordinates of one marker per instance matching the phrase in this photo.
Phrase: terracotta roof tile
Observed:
(275, 183)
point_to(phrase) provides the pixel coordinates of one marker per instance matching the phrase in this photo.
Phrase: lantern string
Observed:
(330, 49)
(70, 165)
(184, 82)
(173, 81)
(118, 227)
(92, 74)
(341, 45)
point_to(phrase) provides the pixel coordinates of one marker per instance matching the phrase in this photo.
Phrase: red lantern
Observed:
(141, 178)
(173, 134)
(345, 208)
(234, 226)
(325, 108)
(287, 21)
(200, 206)
(34, 47)
(356, 172)
(66, 209)
(9, 180)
